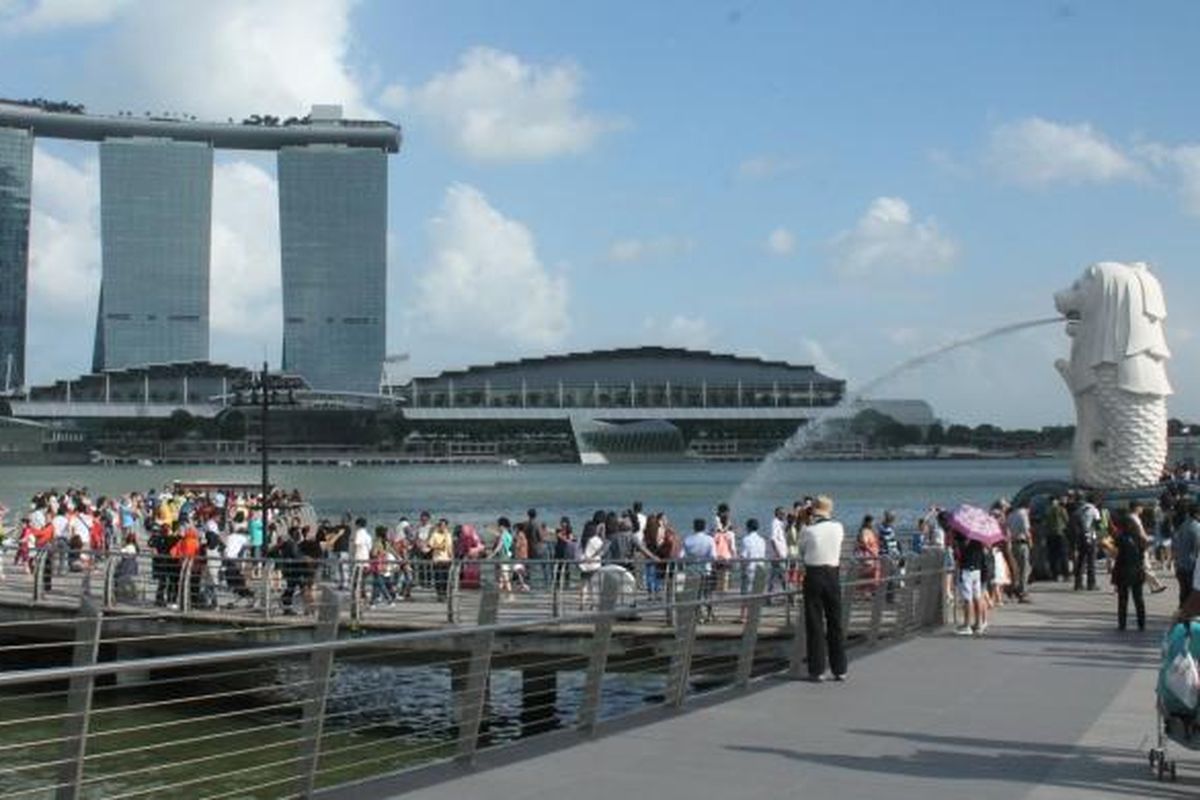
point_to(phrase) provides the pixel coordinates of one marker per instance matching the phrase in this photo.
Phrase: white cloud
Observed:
(214, 59)
(1037, 152)
(485, 281)
(781, 242)
(818, 355)
(946, 163)
(679, 330)
(34, 16)
(762, 167)
(629, 250)
(495, 107)
(1183, 165)
(245, 295)
(903, 335)
(886, 239)
(64, 266)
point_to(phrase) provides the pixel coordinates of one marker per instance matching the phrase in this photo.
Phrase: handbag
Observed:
(1182, 678)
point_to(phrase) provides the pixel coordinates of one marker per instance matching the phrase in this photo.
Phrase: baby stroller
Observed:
(1178, 695)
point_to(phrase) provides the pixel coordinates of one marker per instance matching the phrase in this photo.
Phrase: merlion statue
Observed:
(1117, 374)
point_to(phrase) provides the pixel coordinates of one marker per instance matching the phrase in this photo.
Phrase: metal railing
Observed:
(417, 592)
(339, 717)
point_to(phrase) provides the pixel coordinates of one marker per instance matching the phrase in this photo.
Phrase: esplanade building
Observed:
(156, 177)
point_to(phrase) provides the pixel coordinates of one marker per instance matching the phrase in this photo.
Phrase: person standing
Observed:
(970, 556)
(866, 552)
(1087, 525)
(360, 555)
(1020, 539)
(441, 554)
(820, 552)
(1056, 539)
(1186, 546)
(777, 548)
(1137, 521)
(891, 554)
(699, 551)
(1129, 569)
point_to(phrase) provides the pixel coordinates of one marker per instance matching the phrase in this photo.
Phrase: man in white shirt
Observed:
(777, 551)
(361, 543)
(698, 553)
(1020, 539)
(821, 551)
(753, 552)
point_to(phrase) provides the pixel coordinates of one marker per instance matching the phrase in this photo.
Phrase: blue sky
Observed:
(839, 183)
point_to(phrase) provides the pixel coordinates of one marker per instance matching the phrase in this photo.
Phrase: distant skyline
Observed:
(842, 184)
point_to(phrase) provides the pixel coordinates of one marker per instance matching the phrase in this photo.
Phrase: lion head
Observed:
(1115, 315)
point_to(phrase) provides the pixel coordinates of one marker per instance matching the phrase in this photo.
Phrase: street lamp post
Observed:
(266, 484)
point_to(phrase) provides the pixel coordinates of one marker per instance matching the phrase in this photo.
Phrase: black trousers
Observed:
(1085, 560)
(1056, 553)
(823, 621)
(1139, 604)
(1185, 584)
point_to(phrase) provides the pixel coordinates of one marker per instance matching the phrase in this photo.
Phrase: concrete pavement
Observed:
(1052, 702)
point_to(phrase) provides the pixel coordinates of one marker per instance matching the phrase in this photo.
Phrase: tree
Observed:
(176, 426)
(936, 434)
(958, 434)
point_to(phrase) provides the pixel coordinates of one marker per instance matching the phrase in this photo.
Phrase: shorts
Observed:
(970, 585)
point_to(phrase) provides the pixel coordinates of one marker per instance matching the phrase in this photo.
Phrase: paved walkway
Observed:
(1052, 702)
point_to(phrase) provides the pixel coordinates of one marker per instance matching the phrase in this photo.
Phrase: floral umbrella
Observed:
(975, 523)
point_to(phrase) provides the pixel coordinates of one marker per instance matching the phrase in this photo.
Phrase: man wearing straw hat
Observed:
(820, 551)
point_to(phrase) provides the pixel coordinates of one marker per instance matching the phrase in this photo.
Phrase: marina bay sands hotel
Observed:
(156, 177)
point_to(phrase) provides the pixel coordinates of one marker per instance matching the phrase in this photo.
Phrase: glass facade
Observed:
(333, 236)
(155, 226)
(16, 169)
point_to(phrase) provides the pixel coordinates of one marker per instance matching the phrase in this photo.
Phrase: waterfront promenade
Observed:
(1052, 702)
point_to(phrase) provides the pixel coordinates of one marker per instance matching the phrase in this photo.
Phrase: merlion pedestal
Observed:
(1117, 374)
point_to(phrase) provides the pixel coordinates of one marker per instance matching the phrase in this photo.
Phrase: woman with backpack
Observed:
(1129, 569)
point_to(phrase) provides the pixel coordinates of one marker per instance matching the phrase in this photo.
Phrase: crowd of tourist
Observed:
(220, 543)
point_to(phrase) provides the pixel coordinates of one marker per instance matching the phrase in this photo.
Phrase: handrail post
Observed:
(904, 602)
(452, 590)
(796, 668)
(556, 589)
(40, 564)
(356, 591)
(933, 578)
(669, 591)
(686, 614)
(474, 692)
(108, 597)
(184, 600)
(878, 596)
(745, 663)
(943, 573)
(79, 701)
(320, 668)
(598, 660)
(265, 576)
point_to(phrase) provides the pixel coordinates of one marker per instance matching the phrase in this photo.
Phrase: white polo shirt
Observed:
(821, 543)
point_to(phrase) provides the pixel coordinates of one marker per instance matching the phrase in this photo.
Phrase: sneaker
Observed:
(815, 678)
(963, 630)
(840, 678)
(983, 628)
